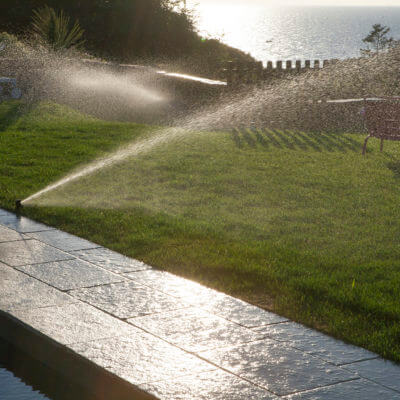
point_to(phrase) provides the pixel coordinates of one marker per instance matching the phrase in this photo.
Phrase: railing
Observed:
(237, 73)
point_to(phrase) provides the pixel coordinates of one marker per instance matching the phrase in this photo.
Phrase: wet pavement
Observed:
(168, 336)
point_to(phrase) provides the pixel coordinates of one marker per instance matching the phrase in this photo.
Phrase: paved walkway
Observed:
(171, 337)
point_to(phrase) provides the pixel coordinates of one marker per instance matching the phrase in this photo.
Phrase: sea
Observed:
(291, 33)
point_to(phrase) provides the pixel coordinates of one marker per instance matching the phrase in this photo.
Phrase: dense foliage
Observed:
(120, 28)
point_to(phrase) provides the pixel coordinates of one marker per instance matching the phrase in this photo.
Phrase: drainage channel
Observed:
(24, 378)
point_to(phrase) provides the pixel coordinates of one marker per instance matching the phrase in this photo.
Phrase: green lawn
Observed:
(299, 223)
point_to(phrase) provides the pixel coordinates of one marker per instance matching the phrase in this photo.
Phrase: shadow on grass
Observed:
(294, 140)
(236, 138)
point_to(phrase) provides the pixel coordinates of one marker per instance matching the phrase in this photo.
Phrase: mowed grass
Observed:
(296, 222)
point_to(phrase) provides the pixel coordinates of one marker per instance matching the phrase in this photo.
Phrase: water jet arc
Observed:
(131, 150)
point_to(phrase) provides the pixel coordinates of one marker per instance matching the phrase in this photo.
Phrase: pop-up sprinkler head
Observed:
(18, 205)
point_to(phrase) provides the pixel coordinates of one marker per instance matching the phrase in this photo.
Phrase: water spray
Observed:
(134, 149)
(292, 103)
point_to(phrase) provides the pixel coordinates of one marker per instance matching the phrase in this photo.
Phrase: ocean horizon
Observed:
(292, 33)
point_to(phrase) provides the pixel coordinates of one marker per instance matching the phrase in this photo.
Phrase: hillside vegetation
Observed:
(141, 31)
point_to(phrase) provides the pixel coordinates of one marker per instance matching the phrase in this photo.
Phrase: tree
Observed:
(55, 29)
(377, 40)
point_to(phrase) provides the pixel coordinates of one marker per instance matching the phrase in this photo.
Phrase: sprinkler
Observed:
(18, 205)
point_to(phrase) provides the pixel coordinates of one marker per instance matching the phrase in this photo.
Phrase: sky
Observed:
(364, 3)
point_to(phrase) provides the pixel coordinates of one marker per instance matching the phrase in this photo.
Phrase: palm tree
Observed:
(54, 29)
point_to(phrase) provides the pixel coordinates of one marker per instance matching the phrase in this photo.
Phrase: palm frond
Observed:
(55, 29)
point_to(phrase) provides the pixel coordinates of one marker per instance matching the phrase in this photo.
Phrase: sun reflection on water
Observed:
(287, 30)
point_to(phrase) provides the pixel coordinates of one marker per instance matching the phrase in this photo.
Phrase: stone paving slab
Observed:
(171, 284)
(62, 240)
(183, 340)
(127, 299)
(5, 212)
(313, 342)
(27, 252)
(72, 323)
(110, 260)
(215, 302)
(70, 274)
(142, 358)
(214, 385)
(359, 389)
(18, 291)
(9, 235)
(242, 313)
(380, 371)
(277, 367)
(22, 224)
(195, 330)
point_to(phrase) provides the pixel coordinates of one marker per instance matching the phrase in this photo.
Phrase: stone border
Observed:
(124, 330)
